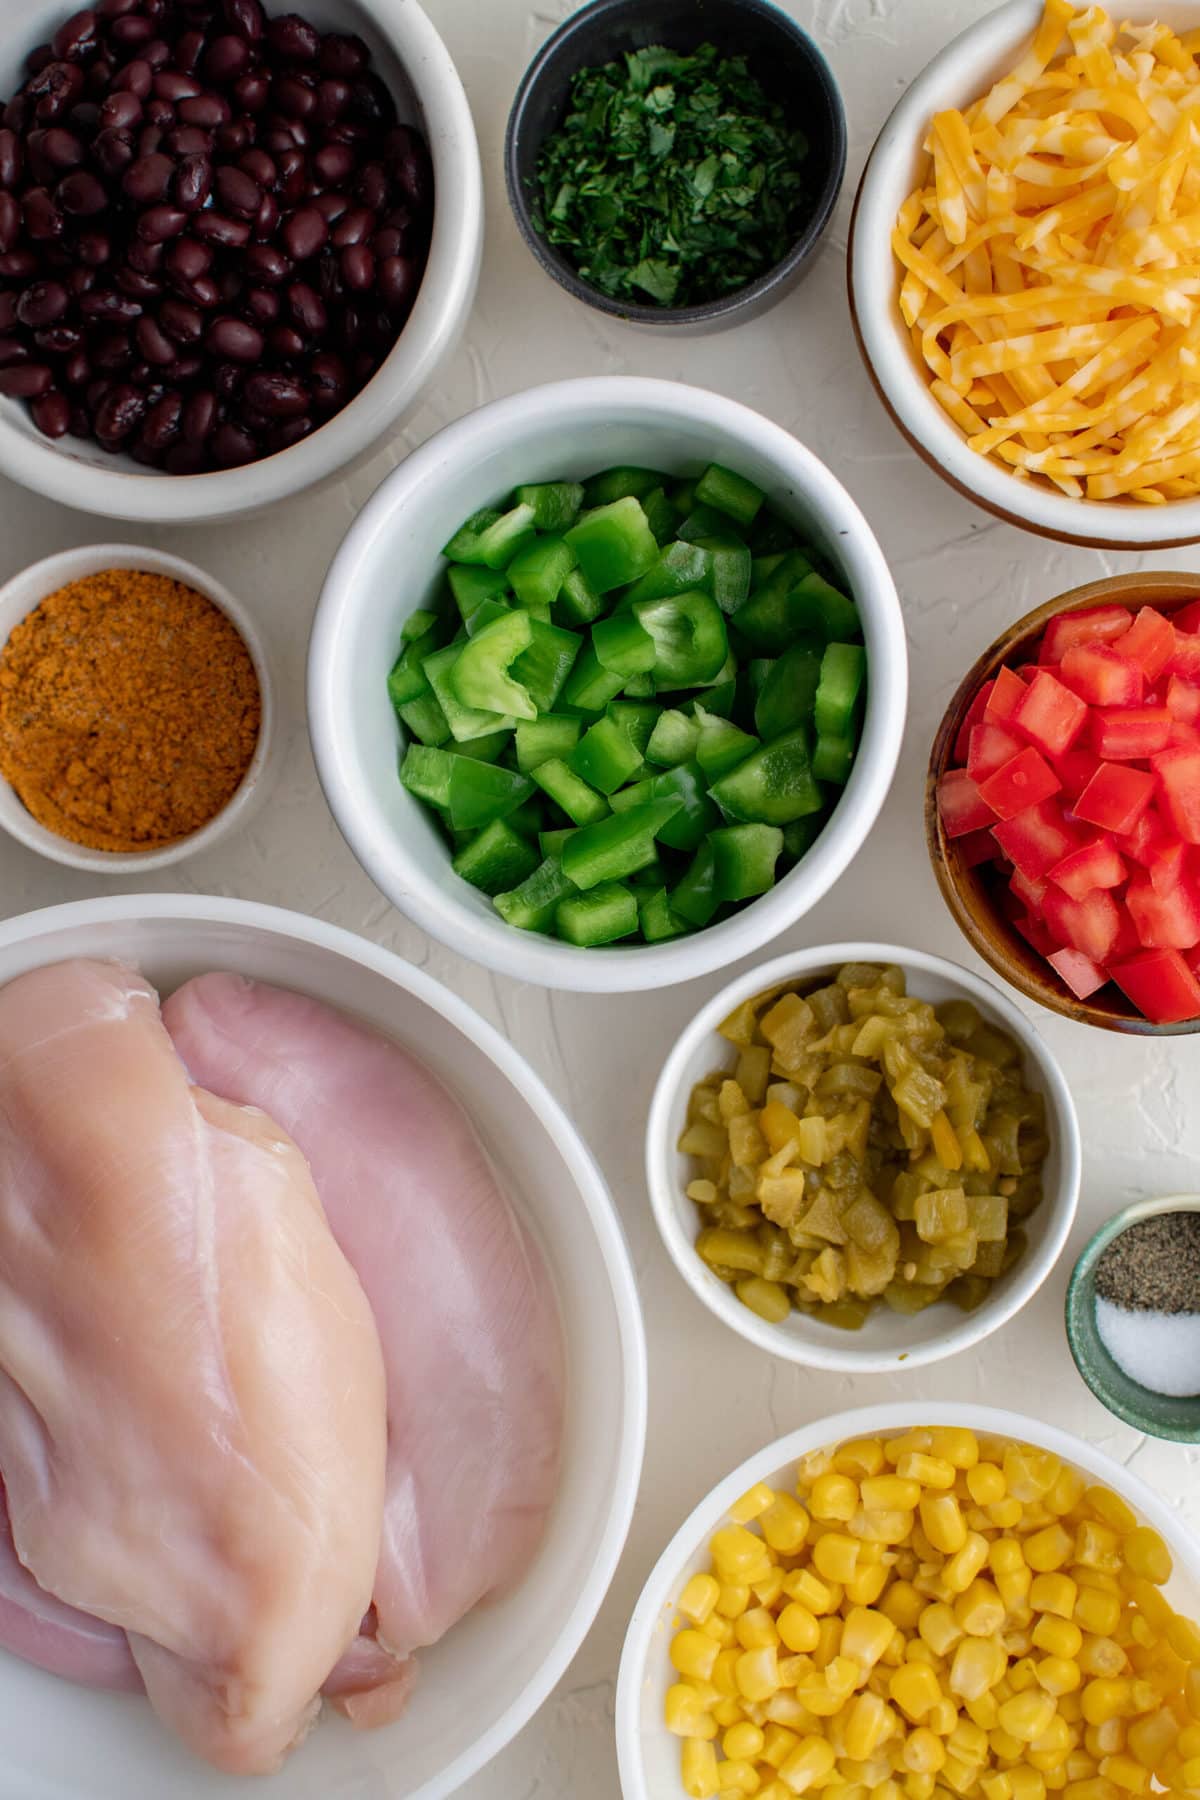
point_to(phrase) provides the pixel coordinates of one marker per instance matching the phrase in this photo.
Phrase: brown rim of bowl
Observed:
(964, 890)
(1082, 539)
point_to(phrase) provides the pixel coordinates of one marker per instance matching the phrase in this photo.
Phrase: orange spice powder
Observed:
(129, 711)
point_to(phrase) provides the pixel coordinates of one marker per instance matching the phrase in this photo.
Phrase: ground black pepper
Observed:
(1154, 1266)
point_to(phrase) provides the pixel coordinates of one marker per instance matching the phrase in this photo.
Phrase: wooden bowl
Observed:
(973, 894)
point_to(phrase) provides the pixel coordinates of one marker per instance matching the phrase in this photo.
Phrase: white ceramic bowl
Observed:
(390, 564)
(411, 58)
(648, 1753)
(960, 73)
(490, 1674)
(888, 1340)
(26, 591)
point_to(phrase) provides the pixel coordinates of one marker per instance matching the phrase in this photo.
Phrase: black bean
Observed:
(331, 207)
(183, 370)
(188, 259)
(119, 412)
(188, 50)
(131, 32)
(358, 266)
(120, 112)
(76, 369)
(160, 116)
(266, 262)
(42, 303)
(370, 102)
(25, 381)
(304, 234)
(278, 395)
(246, 18)
(203, 292)
(192, 183)
(77, 37)
(203, 109)
(149, 140)
(185, 459)
(182, 322)
(16, 114)
(8, 310)
(51, 413)
(61, 148)
(307, 309)
(238, 192)
(330, 381)
(153, 341)
(55, 89)
(136, 78)
(188, 140)
(163, 422)
(158, 223)
(11, 159)
(157, 53)
(146, 258)
(333, 164)
(260, 167)
(343, 55)
(333, 97)
(199, 416)
(216, 228)
(226, 59)
(59, 340)
(286, 343)
(293, 38)
(113, 150)
(85, 115)
(252, 92)
(93, 248)
(148, 179)
(172, 86)
(107, 303)
(138, 286)
(10, 221)
(231, 139)
(397, 282)
(18, 265)
(294, 97)
(41, 218)
(294, 181)
(96, 392)
(371, 188)
(388, 242)
(232, 446)
(266, 219)
(13, 350)
(235, 339)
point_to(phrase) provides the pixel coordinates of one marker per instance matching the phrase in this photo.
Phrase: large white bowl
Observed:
(489, 1675)
(960, 73)
(888, 1340)
(647, 1752)
(414, 63)
(390, 564)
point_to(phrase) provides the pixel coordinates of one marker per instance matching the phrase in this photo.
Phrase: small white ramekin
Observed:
(960, 73)
(390, 564)
(647, 1752)
(888, 1341)
(26, 591)
(414, 63)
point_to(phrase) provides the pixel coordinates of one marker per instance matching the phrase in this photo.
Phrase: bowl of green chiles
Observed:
(607, 683)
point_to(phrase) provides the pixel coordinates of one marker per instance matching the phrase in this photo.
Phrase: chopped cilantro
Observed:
(672, 179)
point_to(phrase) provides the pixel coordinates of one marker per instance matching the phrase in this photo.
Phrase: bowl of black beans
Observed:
(235, 244)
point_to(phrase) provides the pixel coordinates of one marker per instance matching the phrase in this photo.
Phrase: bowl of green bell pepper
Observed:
(607, 683)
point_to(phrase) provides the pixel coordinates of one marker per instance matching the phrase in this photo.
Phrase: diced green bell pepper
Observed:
(481, 792)
(703, 522)
(689, 636)
(772, 618)
(479, 674)
(695, 895)
(555, 504)
(729, 493)
(697, 815)
(425, 720)
(843, 670)
(407, 679)
(492, 538)
(417, 625)
(578, 602)
(537, 740)
(721, 698)
(472, 585)
(608, 912)
(673, 740)
(683, 497)
(657, 921)
(543, 669)
(722, 745)
(825, 608)
(615, 484)
(532, 904)
(730, 571)
(634, 793)
(486, 613)
(660, 514)
(770, 534)
(763, 567)
(623, 645)
(745, 858)
(833, 758)
(568, 790)
(680, 568)
(426, 773)
(605, 757)
(637, 719)
(801, 834)
(530, 817)
(773, 786)
(786, 697)
(537, 574)
(614, 544)
(590, 686)
(498, 859)
(639, 687)
(618, 845)
(485, 749)
(465, 722)
(550, 843)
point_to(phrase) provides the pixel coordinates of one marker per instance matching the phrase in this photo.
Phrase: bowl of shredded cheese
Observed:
(1023, 269)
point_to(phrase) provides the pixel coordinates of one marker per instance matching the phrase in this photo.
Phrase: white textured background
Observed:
(961, 576)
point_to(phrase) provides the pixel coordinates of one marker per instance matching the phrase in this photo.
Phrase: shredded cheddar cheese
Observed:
(1050, 261)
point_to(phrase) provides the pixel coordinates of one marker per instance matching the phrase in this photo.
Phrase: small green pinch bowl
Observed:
(1158, 1415)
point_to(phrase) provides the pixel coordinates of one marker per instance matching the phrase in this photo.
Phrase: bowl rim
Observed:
(1079, 1297)
(871, 286)
(594, 1194)
(863, 1421)
(487, 939)
(1020, 971)
(708, 312)
(438, 315)
(65, 566)
(972, 1328)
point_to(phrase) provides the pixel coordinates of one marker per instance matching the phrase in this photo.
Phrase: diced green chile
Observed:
(590, 686)
(578, 602)
(689, 636)
(492, 538)
(637, 719)
(425, 719)
(697, 815)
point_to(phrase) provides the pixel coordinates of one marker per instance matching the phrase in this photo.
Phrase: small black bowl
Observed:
(782, 58)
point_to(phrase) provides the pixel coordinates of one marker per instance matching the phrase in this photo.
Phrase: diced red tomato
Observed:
(972, 717)
(1183, 700)
(1169, 921)
(1092, 924)
(960, 806)
(1034, 932)
(990, 748)
(1029, 893)
(1147, 835)
(975, 847)
(1085, 625)
(1024, 781)
(1187, 618)
(1123, 733)
(1178, 773)
(1160, 984)
(1182, 733)
(1185, 657)
(1149, 642)
(1095, 865)
(1035, 840)
(1102, 677)
(1080, 973)
(1075, 768)
(1008, 690)
(1115, 797)
(1167, 864)
(1049, 714)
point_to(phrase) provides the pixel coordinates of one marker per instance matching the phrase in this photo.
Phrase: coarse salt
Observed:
(1160, 1351)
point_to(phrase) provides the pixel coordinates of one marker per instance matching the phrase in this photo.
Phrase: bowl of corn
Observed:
(913, 1603)
(862, 1157)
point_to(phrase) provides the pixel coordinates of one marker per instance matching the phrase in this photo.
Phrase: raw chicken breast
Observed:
(192, 1408)
(471, 1336)
(41, 1630)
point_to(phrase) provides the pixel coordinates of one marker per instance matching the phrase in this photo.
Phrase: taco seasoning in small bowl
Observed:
(135, 709)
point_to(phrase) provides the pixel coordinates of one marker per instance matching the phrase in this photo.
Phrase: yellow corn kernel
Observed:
(719, 1629)
(778, 1743)
(867, 1724)
(915, 1689)
(1027, 1715)
(984, 1711)
(1049, 1549)
(887, 1790)
(1054, 1743)
(1054, 1593)
(738, 1778)
(1146, 1555)
(724, 1676)
(733, 1599)
(738, 1555)
(753, 1502)
(819, 1596)
(694, 1654)
(1058, 1675)
(859, 1457)
(889, 1493)
(742, 1742)
(942, 1522)
(1067, 1492)
(1111, 1508)
(757, 1673)
(728, 1712)
(1183, 1635)
(943, 1717)
(939, 1628)
(1022, 1675)
(979, 1609)
(1188, 1743)
(1106, 1738)
(1058, 1637)
(756, 1629)
(929, 1471)
(1151, 1738)
(798, 1628)
(809, 1763)
(698, 1769)
(1080, 1766)
(986, 1484)
(923, 1752)
(833, 1497)
(902, 1604)
(768, 1589)
(1102, 1656)
(1030, 1473)
(962, 1568)
(1006, 1513)
(699, 1598)
(828, 1643)
(1027, 1783)
(866, 1585)
(866, 1634)
(995, 1785)
(1126, 1772)
(786, 1708)
(920, 1787)
(685, 1713)
(881, 1527)
(784, 1525)
(1105, 1699)
(1008, 1748)
(1097, 1545)
(775, 1790)
(979, 1663)
(1189, 1774)
(1093, 1787)
(1191, 1690)
(835, 1556)
(793, 1669)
